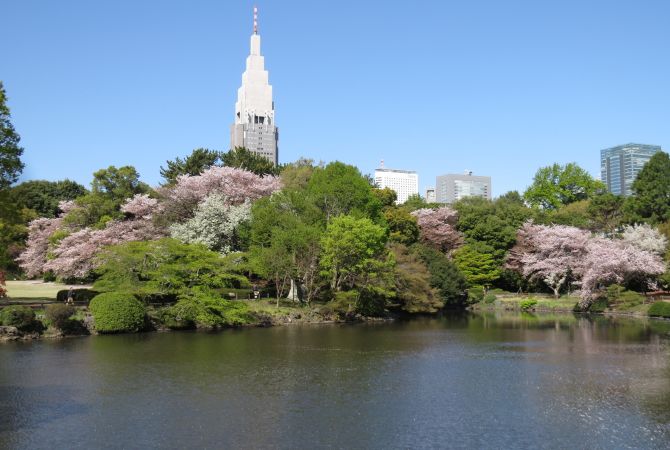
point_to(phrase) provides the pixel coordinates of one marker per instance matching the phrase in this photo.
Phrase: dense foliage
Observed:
(116, 312)
(10, 151)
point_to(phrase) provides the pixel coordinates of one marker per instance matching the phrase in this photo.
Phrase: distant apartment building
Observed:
(404, 182)
(620, 165)
(452, 187)
(430, 195)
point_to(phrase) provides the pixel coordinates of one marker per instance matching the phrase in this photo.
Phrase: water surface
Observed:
(473, 381)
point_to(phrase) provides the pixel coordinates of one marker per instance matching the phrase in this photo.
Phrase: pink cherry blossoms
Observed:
(71, 253)
(551, 253)
(437, 228)
(555, 253)
(236, 185)
(616, 261)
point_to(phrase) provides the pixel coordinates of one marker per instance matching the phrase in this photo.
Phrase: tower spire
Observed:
(255, 20)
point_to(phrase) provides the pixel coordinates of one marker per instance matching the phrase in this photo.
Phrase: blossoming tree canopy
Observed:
(438, 227)
(554, 253)
(203, 205)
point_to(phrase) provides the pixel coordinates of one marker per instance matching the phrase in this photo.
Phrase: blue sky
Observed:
(499, 88)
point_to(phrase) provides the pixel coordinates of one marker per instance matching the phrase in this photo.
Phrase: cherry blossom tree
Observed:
(616, 261)
(73, 254)
(551, 253)
(214, 224)
(34, 257)
(236, 185)
(437, 228)
(645, 237)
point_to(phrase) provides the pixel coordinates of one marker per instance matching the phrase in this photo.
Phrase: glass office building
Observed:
(620, 165)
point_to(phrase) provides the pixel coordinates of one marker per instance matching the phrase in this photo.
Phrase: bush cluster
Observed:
(116, 312)
(21, 317)
(59, 315)
(205, 309)
(660, 309)
(528, 303)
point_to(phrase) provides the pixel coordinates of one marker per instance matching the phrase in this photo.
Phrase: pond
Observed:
(473, 380)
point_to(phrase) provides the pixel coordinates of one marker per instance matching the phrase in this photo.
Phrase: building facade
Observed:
(404, 182)
(452, 187)
(430, 195)
(254, 127)
(620, 165)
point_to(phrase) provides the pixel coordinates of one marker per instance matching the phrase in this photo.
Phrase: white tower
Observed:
(254, 127)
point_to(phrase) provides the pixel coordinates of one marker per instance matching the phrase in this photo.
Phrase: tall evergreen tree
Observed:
(10, 151)
(651, 191)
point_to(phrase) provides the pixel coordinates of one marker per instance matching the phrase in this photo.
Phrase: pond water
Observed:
(469, 381)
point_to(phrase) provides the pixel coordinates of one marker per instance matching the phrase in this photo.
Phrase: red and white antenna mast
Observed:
(255, 20)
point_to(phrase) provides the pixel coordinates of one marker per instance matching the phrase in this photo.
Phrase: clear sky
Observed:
(497, 87)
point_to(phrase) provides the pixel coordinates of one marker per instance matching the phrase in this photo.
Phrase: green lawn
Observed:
(35, 290)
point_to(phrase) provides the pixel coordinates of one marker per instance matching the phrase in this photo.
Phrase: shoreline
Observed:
(12, 334)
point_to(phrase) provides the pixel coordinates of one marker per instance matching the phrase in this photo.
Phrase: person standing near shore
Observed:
(70, 296)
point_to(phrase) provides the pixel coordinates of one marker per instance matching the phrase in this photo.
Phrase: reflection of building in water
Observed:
(452, 187)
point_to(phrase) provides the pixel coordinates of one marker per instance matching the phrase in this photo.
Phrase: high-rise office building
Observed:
(620, 165)
(452, 187)
(254, 127)
(404, 182)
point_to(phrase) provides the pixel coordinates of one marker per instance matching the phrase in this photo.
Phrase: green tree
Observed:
(444, 276)
(340, 189)
(110, 188)
(44, 196)
(10, 151)
(651, 191)
(478, 264)
(194, 164)
(353, 252)
(296, 175)
(575, 214)
(606, 212)
(414, 202)
(13, 230)
(491, 223)
(165, 268)
(285, 241)
(403, 227)
(387, 196)
(242, 158)
(554, 186)
(414, 293)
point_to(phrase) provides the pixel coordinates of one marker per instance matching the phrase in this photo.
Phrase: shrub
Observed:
(344, 303)
(204, 308)
(528, 303)
(59, 315)
(475, 294)
(116, 312)
(660, 309)
(21, 317)
(489, 298)
(600, 305)
(630, 298)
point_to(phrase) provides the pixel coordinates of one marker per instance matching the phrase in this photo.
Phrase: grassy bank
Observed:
(550, 304)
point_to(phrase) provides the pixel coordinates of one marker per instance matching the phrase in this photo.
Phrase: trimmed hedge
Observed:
(660, 309)
(116, 312)
(80, 295)
(21, 317)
